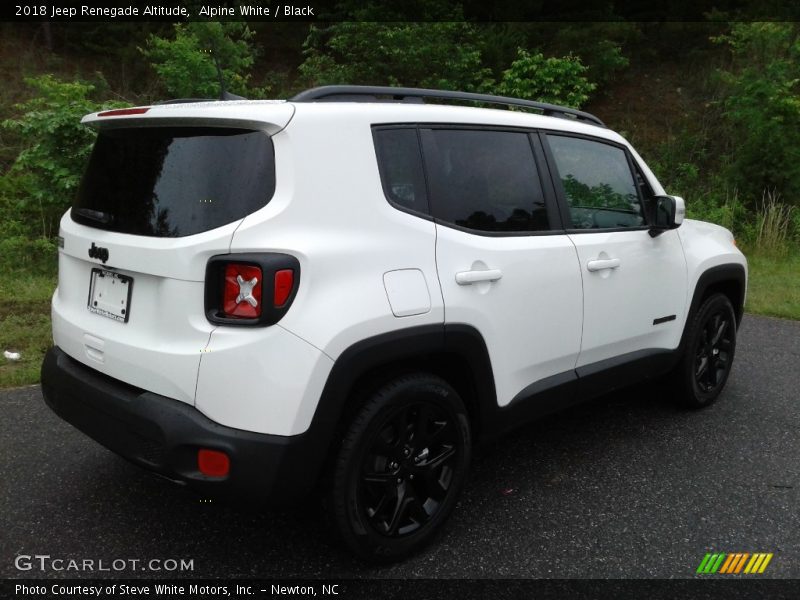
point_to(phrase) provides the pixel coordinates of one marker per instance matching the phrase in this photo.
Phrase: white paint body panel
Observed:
(705, 246)
(329, 211)
(621, 303)
(531, 317)
(263, 379)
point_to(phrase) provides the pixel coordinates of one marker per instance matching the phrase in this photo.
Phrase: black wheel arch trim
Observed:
(720, 274)
(408, 344)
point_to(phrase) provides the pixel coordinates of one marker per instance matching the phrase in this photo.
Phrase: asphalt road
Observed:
(627, 486)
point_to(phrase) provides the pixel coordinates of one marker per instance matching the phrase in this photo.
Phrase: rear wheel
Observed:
(710, 348)
(401, 467)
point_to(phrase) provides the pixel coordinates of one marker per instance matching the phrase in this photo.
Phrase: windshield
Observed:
(174, 181)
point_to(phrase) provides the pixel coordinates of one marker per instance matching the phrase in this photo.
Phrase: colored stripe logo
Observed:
(734, 563)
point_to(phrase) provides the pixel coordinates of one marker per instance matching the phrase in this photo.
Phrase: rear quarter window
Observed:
(400, 165)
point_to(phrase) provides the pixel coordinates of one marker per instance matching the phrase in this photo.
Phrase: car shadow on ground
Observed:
(120, 510)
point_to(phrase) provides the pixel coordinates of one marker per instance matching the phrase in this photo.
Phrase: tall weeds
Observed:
(774, 225)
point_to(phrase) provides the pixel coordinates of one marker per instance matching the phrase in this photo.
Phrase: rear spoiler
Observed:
(267, 115)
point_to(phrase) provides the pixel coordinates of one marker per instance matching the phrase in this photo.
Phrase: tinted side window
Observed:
(484, 180)
(598, 184)
(400, 165)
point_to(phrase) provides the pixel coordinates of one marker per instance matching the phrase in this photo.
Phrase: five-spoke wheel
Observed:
(408, 468)
(401, 467)
(710, 346)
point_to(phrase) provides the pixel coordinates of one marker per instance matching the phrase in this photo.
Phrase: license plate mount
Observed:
(110, 294)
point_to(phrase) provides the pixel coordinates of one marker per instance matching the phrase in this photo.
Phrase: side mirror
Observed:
(668, 213)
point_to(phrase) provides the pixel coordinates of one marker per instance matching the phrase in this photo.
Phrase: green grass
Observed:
(774, 290)
(774, 286)
(24, 324)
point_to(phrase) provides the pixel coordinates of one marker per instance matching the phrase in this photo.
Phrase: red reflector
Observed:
(213, 463)
(284, 280)
(242, 294)
(123, 111)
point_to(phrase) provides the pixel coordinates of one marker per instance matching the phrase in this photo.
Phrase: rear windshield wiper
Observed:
(93, 215)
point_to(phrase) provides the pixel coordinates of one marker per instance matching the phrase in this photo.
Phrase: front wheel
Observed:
(707, 360)
(401, 467)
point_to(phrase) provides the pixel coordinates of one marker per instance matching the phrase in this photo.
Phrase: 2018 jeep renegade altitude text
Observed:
(347, 290)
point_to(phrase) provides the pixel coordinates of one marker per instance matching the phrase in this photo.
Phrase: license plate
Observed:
(110, 294)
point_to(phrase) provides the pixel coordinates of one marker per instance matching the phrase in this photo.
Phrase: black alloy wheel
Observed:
(408, 468)
(400, 468)
(713, 352)
(706, 364)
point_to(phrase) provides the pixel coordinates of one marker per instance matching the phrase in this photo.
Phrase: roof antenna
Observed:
(223, 93)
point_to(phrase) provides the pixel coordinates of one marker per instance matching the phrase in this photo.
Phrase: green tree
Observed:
(442, 54)
(598, 45)
(46, 173)
(187, 64)
(554, 80)
(762, 108)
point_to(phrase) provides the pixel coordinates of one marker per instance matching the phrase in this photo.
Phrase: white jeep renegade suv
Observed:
(347, 290)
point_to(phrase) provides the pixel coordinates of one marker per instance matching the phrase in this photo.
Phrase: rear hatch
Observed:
(164, 190)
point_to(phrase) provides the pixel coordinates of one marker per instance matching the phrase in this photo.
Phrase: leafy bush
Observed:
(599, 46)
(21, 254)
(499, 42)
(727, 211)
(554, 80)
(441, 54)
(45, 175)
(187, 64)
(605, 61)
(762, 108)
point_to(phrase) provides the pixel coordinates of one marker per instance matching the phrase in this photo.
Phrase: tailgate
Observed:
(159, 347)
(164, 190)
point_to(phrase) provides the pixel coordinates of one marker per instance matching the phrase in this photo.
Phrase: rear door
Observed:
(154, 204)
(505, 264)
(634, 284)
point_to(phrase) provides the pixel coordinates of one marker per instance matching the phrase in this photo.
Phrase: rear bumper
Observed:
(163, 435)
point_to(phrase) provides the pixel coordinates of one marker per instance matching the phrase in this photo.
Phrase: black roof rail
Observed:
(366, 93)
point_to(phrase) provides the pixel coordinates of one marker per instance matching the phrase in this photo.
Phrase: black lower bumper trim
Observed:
(163, 435)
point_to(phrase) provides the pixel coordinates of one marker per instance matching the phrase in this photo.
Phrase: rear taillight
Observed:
(284, 282)
(241, 296)
(250, 289)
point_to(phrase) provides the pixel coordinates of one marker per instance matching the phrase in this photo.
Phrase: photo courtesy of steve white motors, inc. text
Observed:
(192, 589)
(165, 10)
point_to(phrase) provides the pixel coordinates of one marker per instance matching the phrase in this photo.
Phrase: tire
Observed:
(710, 347)
(401, 467)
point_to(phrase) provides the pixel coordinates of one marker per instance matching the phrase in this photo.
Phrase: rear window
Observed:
(174, 181)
